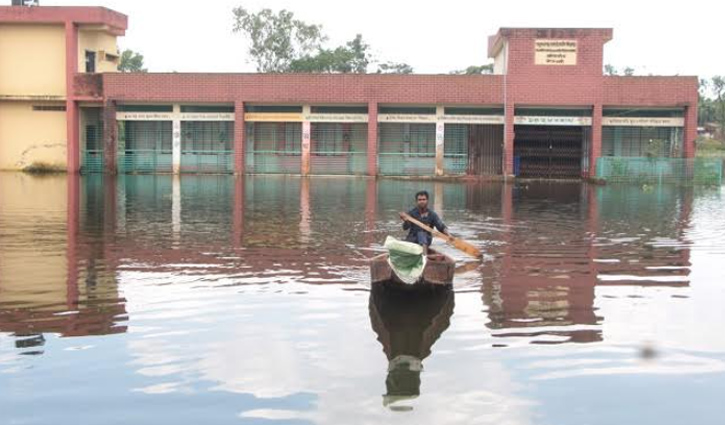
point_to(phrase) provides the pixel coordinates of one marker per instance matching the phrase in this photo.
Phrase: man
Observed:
(425, 216)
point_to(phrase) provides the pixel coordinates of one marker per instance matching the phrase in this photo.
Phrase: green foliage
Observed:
(281, 43)
(131, 62)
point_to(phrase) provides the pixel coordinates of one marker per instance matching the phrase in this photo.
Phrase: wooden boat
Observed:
(439, 271)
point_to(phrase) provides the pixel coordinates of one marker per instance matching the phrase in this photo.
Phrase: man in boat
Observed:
(425, 216)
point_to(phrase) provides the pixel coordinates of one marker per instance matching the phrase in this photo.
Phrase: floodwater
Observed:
(150, 299)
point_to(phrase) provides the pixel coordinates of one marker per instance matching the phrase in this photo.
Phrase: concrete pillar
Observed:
(438, 198)
(689, 133)
(239, 133)
(508, 141)
(306, 139)
(110, 138)
(595, 150)
(440, 139)
(71, 107)
(372, 138)
(176, 140)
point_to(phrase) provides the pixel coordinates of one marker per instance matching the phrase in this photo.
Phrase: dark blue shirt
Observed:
(418, 235)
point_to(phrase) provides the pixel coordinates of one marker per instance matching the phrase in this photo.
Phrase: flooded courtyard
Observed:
(215, 299)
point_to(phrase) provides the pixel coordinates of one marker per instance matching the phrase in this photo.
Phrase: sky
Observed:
(434, 37)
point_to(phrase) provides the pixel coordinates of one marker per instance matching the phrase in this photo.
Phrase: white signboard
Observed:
(643, 122)
(207, 116)
(555, 52)
(473, 119)
(168, 116)
(448, 119)
(297, 117)
(407, 118)
(144, 116)
(336, 117)
(536, 120)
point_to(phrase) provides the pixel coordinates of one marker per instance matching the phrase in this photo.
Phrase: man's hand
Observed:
(402, 215)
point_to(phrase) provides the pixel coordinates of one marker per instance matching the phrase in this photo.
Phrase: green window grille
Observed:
(207, 146)
(274, 147)
(455, 148)
(144, 147)
(406, 149)
(661, 142)
(338, 148)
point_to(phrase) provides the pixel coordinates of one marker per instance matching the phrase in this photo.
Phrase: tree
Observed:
(278, 39)
(718, 88)
(353, 57)
(475, 70)
(394, 68)
(612, 70)
(705, 108)
(281, 43)
(131, 62)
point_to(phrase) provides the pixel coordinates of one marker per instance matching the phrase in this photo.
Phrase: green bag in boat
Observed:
(406, 259)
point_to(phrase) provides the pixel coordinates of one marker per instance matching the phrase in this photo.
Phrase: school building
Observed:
(547, 111)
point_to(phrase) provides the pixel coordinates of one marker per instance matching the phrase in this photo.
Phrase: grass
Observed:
(43, 168)
(709, 148)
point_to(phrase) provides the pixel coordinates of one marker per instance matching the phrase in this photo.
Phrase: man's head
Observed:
(421, 198)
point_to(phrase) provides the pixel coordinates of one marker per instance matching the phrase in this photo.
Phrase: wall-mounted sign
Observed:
(169, 116)
(407, 118)
(336, 117)
(536, 120)
(473, 119)
(297, 117)
(207, 116)
(555, 52)
(273, 117)
(144, 116)
(643, 122)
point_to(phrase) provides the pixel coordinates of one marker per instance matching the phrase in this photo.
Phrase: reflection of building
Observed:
(56, 274)
(547, 110)
(407, 325)
(272, 228)
(555, 254)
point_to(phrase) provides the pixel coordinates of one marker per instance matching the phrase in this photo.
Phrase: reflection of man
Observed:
(425, 216)
(403, 381)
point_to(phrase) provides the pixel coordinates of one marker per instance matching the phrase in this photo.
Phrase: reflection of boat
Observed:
(408, 324)
(439, 270)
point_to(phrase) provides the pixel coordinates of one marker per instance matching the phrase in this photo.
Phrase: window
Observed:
(90, 61)
(48, 107)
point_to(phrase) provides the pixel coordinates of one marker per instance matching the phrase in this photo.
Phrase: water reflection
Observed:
(407, 325)
(560, 242)
(549, 247)
(251, 294)
(54, 273)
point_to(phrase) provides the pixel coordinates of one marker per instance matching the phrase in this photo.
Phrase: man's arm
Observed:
(406, 223)
(440, 225)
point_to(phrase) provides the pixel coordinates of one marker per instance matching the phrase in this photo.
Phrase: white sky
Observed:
(652, 37)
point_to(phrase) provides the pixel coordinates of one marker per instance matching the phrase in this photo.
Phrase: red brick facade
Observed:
(523, 83)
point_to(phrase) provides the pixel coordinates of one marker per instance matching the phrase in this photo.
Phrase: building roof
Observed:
(116, 22)
(495, 42)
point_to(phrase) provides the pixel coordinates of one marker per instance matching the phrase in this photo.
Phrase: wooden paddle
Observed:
(455, 242)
